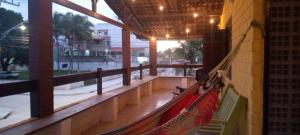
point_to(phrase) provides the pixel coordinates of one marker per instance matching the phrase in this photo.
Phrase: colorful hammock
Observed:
(187, 120)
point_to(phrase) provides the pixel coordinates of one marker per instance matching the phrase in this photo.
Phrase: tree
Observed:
(14, 42)
(75, 28)
(169, 54)
(58, 30)
(190, 50)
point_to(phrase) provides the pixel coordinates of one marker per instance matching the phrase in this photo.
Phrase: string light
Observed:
(167, 36)
(153, 38)
(161, 8)
(195, 15)
(211, 21)
(187, 30)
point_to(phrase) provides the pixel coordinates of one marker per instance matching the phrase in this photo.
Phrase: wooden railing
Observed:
(184, 66)
(13, 88)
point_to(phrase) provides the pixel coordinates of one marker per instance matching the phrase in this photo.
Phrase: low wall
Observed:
(80, 118)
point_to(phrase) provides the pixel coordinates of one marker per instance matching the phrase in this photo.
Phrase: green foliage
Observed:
(190, 50)
(8, 19)
(14, 45)
(73, 27)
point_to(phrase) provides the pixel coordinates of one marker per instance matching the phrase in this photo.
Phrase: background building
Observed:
(104, 50)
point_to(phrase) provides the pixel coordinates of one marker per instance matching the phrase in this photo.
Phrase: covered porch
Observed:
(214, 21)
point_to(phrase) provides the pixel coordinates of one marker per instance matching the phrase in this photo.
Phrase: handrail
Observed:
(184, 66)
(66, 79)
(13, 88)
(19, 87)
(179, 66)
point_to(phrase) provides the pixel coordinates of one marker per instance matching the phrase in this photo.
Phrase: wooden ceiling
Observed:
(176, 17)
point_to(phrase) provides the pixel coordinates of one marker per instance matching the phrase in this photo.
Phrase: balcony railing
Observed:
(8, 89)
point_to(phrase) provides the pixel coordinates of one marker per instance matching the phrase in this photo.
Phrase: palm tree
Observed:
(75, 28)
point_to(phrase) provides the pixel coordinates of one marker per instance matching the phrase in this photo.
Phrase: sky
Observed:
(102, 8)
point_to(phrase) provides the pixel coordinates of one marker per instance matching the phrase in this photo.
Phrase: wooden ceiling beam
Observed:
(88, 12)
(139, 24)
(149, 16)
(180, 37)
(94, 5)
(98, 16)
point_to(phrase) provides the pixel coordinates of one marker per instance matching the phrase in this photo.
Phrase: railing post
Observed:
(99, 81)
(141, 71)
(126, 76)
(184, 69)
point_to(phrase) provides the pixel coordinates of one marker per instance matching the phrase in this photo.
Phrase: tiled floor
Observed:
(131, 113)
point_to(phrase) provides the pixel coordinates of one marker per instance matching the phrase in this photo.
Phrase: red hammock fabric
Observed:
(201, 116)
(175, 110)
(206, 107)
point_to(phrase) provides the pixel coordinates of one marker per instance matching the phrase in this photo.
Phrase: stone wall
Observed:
(247, 67)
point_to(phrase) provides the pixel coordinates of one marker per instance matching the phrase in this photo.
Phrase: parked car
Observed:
(8, 75)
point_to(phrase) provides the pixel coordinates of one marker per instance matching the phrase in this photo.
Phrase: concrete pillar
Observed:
(153, 57)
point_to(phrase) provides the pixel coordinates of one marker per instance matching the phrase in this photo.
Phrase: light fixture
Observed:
(153, 38)
(167, 35)
(161, 8)
(187, 30)
(22, 27)
(133, 0)
(195, 15)
(211, 21)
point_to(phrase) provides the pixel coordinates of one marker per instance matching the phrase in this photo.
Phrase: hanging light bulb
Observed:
(167, 35)
(161, 8)
(187, 30)
(195, 15)
(211, 21)
(153, 38)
